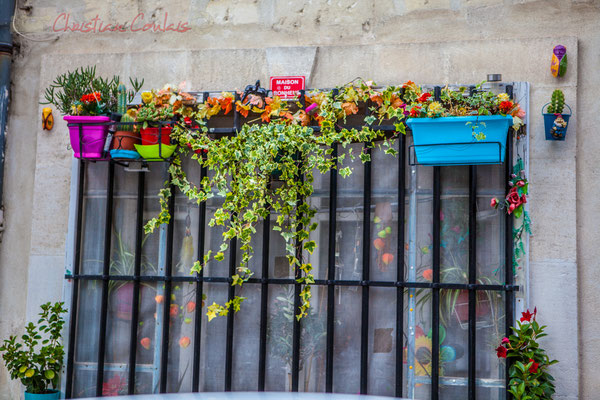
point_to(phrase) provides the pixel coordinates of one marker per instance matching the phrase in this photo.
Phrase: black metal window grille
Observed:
(166, 281)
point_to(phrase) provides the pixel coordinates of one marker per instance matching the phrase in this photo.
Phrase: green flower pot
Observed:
(51, 395)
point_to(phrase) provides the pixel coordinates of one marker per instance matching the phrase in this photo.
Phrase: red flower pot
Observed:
(150, 135)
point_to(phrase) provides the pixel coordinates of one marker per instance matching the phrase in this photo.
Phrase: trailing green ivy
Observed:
(241, 169)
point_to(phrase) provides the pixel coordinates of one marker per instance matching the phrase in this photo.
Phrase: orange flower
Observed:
(159, 299)
(350, 108)
(428, 274)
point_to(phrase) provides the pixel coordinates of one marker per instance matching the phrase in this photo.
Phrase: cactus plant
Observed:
(122, 109)
(557, 103)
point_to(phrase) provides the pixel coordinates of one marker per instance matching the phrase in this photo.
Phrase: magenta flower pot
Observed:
(92, 136)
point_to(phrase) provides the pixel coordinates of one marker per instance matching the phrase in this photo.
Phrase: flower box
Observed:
(452, 141)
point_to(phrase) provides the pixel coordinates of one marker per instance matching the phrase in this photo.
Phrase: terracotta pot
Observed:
(461, 307)
(150, 135)
(125, 140)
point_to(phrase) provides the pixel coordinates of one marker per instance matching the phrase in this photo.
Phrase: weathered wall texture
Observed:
(232, 43)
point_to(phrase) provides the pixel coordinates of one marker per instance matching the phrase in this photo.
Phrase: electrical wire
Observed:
(14, 17)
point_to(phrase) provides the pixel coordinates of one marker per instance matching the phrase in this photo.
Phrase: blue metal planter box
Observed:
(451, 141)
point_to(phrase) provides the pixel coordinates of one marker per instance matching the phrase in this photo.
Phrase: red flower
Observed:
(523, 198)
(424, 97)
(494, 202)
(513, 197)
(187, 120)
(526, 316)
(506, 106)
(534, 367)
(415, 111)
(511, 208)
(521, 183)
(501, 352)
(91, 97)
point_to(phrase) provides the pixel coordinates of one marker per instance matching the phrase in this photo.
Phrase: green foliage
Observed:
(37, 361)
(151, 113)
(66, 90)
(242, 167)
(121, 99)
(557, 102)
(529, 377)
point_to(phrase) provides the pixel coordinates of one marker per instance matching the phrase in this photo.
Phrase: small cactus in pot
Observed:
(557, 102)
(555, 122)
(126, 137)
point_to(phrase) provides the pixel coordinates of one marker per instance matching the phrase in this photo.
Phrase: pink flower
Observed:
(520, 183)
(521, 113)
(505, 340)
(494, 203)
(511, 208)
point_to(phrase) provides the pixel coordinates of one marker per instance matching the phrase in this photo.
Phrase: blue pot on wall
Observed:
(556, 125)
(51, 395)
(453, 141)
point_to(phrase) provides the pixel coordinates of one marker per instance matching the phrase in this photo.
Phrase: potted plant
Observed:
(86, 100)
(155, 116)
(555, 121)
(127, 135)
(38, 359)
(460, 128)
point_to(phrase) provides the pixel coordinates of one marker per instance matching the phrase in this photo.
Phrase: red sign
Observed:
(287, 87)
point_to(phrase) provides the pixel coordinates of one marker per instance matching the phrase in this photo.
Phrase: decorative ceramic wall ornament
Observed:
(558, 66)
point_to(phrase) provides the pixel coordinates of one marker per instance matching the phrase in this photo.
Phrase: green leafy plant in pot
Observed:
(38, 359)
(85, 99)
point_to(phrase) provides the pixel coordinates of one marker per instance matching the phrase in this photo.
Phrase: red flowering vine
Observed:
(529, 377)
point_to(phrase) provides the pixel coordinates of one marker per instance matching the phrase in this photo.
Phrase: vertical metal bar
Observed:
(412, 277)
(199, 291)
(231, 289)
(331, 271)
(264, 301)
(473, 294)
(139, 236)
(508, 248)
(164, 354)
(105, 278)
(364, 333)
(199, 284)
(75, 294)
(435, 300)
(400, 266)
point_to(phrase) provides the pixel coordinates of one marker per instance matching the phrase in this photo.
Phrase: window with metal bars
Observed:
(407, 256)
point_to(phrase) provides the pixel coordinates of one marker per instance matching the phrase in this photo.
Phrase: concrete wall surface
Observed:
(234, 42)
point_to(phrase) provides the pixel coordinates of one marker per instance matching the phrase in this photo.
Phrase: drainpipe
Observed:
(6, 47)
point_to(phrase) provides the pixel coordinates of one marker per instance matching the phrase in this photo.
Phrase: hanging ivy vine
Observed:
(280, 142)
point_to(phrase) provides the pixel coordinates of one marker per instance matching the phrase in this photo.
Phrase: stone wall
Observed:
(232, 43)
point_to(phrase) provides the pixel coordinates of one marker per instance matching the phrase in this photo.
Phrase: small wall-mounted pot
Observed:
(555, 125)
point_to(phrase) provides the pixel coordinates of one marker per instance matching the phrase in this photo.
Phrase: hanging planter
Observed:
(468, 140)
(555, 120)
(89, 141)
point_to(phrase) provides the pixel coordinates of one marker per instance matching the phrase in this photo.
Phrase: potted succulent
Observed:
(86, 100)
(555, 121)
(460, 128)
(127, 135)
(38, 359)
